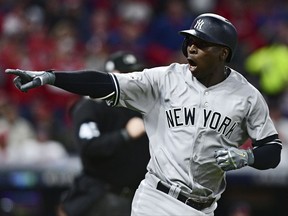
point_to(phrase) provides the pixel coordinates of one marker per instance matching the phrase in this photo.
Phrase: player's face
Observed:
(205, 59)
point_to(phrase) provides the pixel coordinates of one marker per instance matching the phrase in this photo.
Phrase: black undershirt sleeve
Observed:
(89, 83)
(267, 156)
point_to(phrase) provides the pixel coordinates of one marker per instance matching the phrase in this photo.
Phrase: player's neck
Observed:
(216, 77)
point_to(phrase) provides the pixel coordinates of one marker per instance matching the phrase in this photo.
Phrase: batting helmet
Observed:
(123, 61)
(212, 28)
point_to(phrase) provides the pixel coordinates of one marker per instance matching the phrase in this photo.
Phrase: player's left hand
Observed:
(26, 80)
(234, 158)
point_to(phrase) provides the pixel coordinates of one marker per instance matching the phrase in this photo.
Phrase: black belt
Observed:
(187, 200)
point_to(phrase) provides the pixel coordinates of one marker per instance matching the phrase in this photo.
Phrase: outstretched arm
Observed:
(90, 83)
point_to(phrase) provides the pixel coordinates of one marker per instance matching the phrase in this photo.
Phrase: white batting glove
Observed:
(234, 158)
(26, 80)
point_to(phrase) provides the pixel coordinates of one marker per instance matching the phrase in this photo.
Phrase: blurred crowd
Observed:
(78, 34)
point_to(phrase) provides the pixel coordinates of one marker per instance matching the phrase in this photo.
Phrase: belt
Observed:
(187, 200)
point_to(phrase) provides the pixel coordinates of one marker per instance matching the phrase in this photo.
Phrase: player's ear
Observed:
(224, 53)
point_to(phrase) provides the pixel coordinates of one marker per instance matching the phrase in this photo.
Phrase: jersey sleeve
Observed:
(138, 91)
(260, 126)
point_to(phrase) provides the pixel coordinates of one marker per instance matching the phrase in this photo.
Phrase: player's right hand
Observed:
(26, 80)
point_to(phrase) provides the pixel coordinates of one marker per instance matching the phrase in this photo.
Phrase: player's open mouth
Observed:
(192, 64)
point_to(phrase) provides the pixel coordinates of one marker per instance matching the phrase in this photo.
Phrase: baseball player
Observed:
(196, 116)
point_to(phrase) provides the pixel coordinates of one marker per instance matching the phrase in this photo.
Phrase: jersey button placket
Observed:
(206, 93)
(198, 142)
(195, 156)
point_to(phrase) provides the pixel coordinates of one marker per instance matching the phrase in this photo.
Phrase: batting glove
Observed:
(234, 158)
(26, 80)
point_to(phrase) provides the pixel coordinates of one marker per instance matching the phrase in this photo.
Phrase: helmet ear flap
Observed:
(184, 46)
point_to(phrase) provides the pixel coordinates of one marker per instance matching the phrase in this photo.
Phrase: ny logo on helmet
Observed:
(199, 24)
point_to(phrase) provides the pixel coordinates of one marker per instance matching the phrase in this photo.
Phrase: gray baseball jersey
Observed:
(187, 122)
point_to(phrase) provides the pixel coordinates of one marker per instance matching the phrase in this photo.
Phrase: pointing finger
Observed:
(13, 71)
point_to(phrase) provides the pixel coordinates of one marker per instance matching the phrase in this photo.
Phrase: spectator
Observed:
(49, 126)
(129, 29)
(96, 48)
(164, 40)
(14, 130)
(269, 63)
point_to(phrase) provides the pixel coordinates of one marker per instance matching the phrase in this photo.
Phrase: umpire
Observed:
(114, 153)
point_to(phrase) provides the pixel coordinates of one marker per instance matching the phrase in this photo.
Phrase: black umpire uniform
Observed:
(113, 164)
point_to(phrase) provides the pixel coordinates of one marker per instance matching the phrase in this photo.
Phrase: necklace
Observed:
(226, 72)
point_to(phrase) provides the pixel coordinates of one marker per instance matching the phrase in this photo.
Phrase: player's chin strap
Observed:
(234, 158)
